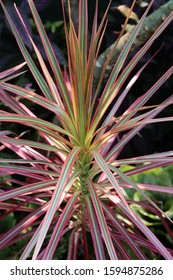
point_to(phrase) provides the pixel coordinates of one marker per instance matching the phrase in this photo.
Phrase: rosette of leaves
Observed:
(68, 181)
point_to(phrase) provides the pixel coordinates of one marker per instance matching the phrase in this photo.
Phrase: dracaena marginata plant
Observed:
(73, 184)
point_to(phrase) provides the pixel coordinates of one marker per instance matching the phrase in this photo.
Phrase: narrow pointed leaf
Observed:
(102, 222)
(104, 167)
(56, 198)
(41, 82)
(95, 230)
(52, 58)
(140, 224)
(61, 224)
(129, 181)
